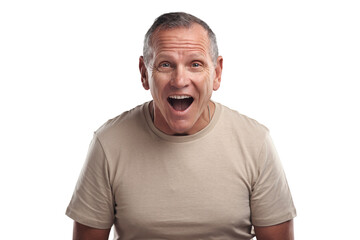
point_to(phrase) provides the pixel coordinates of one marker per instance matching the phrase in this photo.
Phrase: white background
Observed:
(68, 66)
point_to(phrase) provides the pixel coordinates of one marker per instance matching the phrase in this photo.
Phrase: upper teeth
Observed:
(179, 97)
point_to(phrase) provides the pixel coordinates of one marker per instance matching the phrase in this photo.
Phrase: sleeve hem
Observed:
(86, 221)
(272, 222)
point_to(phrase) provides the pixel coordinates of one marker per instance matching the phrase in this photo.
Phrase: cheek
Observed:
(204, 85)
(158, 85)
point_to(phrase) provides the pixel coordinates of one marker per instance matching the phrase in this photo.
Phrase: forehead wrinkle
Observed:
(181, 42)
(182, 45)
(186, 34)
(172, 55)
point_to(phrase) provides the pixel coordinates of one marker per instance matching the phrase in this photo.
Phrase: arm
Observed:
(283, 231)
(82, 232)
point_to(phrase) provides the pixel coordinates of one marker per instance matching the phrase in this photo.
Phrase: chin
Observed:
(181, 128)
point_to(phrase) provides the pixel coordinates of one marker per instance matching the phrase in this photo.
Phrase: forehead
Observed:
(194, 38)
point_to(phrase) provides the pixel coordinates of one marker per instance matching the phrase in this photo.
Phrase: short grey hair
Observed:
(177, 20)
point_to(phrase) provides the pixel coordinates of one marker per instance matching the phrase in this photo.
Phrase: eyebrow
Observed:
(191, 55)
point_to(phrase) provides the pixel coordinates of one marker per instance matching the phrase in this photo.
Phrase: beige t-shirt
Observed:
(214, 184)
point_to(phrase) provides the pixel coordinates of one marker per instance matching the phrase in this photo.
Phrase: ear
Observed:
(143, 73)
(218, 72)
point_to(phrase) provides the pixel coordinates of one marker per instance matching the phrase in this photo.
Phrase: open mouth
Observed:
(180, 103)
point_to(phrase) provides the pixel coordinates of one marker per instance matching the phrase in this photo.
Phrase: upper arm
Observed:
(82, 232)
(93, 203)
(270, 200)
(283, 231)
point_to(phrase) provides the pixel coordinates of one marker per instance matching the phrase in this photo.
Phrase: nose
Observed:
(179, 78)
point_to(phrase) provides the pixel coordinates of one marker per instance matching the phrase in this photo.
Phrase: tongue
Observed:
(181, 104)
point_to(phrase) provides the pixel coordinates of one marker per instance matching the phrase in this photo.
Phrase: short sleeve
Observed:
(271, 201)
(92, 202)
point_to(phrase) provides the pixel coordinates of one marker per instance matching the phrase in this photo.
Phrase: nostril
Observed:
(179, 78)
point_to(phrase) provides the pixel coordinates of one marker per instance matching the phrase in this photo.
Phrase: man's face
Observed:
(181, 78)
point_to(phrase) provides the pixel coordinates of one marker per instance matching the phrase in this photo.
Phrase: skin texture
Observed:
(283, 231)
(181, 65)
(82, 232)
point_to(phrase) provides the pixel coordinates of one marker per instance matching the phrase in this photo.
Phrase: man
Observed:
(182, 166)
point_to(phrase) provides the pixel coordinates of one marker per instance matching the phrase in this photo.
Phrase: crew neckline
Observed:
(179, 139)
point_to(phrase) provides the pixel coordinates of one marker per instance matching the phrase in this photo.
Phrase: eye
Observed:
(195, 64)
(164, 65)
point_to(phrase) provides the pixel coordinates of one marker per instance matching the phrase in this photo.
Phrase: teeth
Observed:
(179, 97)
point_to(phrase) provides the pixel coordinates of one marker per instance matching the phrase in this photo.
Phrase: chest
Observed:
(182, 195)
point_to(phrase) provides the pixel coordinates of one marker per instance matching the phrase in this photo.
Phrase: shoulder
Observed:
(122, 126)
(242, 125)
